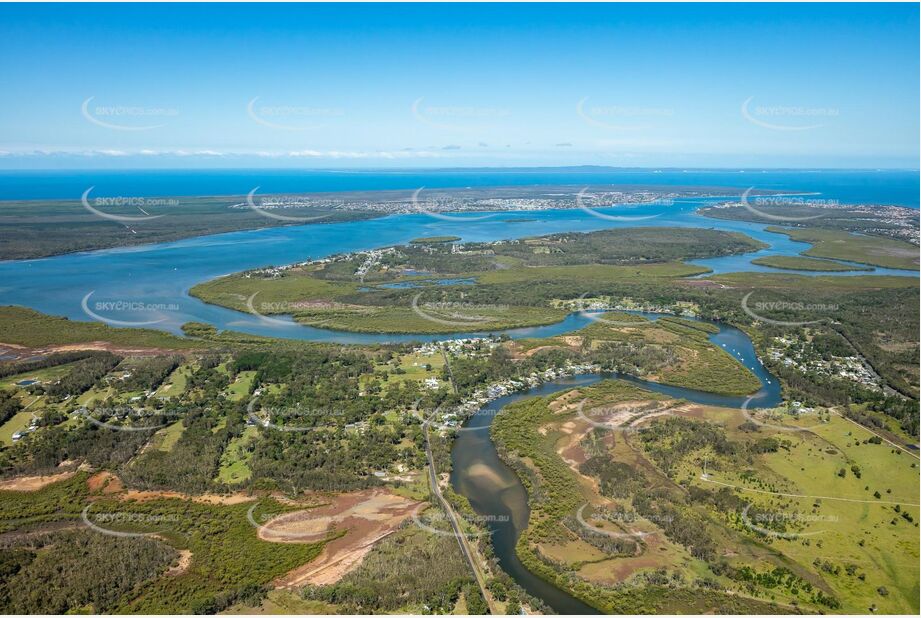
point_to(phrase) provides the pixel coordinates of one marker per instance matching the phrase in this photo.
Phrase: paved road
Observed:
(462, 540)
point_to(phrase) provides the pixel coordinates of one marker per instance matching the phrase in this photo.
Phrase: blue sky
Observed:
(316, 86)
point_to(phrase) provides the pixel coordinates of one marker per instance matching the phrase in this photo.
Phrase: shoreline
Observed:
(347, 206)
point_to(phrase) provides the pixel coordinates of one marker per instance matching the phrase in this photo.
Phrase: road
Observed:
(469, 553)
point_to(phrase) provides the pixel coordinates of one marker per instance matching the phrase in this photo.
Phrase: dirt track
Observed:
(33, 483)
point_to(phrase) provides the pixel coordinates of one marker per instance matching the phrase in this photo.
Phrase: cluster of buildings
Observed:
(491, 392)
(605, 303)
(442, 202)
(791, 353)
(372, 258)
(473, 346)
(33, 425)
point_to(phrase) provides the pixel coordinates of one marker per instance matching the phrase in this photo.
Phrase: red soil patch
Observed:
(106, 482)
(366, 516)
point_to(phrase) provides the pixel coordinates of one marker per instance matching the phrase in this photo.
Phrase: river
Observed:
(498, 496)
(160, 275)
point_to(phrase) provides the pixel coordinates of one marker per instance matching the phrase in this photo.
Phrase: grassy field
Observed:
(235, 458)
(240, 387)
(843, 506)
(175, 384)
(47, 374)
(165, 439)
(19, 422)
(840, 245)
(793, 262)
(408, 367)
(837, 517)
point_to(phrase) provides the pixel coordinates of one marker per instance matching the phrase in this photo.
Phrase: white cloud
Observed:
(404, 154)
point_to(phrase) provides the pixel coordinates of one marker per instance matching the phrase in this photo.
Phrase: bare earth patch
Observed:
(185, 559)
(33, 483)
(106, 482)
(19, 352)
(146, 496)
(365, 516)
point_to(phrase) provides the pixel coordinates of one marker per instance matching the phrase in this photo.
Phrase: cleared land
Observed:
(362, 519)
(639, 501)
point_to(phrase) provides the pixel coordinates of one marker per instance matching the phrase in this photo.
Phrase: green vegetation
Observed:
(839, 245)
(669, 350)
(755, 526)
(235, 458)
(245, 413)
(39, 228)
(878, 220)
(56, 573)
(433, 240)
(411, 571)
(229, 563)
(556, 495)
(436, 318)
(27, 327)
(168, 437)
(506, 284)
(792, 262)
